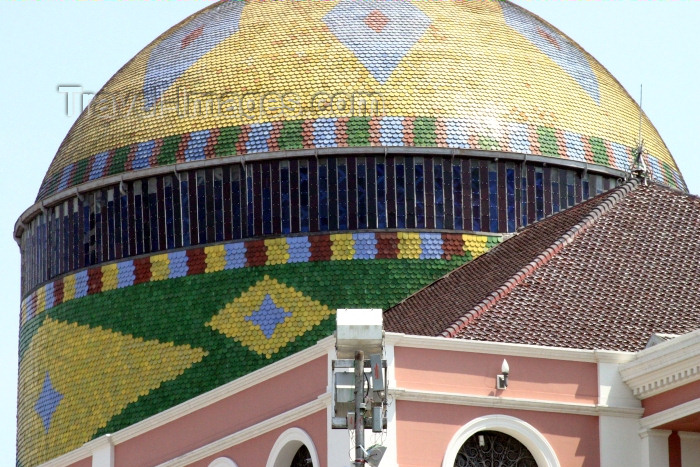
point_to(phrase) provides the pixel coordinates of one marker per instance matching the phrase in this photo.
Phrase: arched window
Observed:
(494, 449)
(294, 448)
(302, 458)
(501, 434)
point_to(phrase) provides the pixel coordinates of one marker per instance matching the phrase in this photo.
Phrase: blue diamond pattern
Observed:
(180, 50)
(268, 316)
(557, 47)
(380, 52)
(48, 402)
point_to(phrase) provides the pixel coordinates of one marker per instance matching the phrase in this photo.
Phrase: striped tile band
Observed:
(350, 132)
(267, 252)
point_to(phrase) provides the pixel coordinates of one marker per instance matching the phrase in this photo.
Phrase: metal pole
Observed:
(359, 408)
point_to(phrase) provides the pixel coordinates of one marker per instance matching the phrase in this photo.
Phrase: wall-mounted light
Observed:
(502, 379)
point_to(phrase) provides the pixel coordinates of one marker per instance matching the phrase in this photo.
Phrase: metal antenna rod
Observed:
(641, 96)
(639, 168)
(359, 408)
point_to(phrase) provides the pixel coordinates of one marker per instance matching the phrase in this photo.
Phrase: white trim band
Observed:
(665, 366)
(669, 415)
(435, 397)
(516, 350)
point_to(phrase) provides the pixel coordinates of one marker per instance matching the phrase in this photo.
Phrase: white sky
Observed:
(49, 43)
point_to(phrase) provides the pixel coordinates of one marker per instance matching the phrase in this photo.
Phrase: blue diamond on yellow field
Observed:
(48, 402)
(379, 33)
(188, 43)
(557, 47)
(268, 316)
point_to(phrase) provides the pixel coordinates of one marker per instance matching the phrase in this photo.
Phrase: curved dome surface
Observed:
(148, 286)
(254, 77)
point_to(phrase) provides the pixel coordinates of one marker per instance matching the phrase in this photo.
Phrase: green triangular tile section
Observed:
(176, 311)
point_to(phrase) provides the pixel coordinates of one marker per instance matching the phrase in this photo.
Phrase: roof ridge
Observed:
(504, 237)
(541, 259)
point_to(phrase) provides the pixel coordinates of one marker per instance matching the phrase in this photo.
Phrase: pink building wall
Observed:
(82, 463)
(234, 413)
(672, 398)
(424, 431)
(475, 374)
(255, 452)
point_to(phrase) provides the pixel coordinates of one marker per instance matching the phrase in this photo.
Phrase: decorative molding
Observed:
(498, 348)
(307, 355)
(665, 366)
(435, 397)
(666, 416)
(661, 434)
(83, 452)
(222, 462)
(286, 446)
(278, 421)
(528, 435)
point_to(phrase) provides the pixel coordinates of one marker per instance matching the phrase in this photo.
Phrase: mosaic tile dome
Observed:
(264, 163)
(254, 77)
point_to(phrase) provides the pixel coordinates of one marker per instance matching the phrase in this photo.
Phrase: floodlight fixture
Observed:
(358, 329)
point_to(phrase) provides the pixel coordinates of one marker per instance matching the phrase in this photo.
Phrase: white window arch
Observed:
(532, 439)
(222, 462)
(288, 444)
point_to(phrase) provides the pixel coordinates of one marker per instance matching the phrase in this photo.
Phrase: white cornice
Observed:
(197, 403)
(278, 421)
(665, 366)
(83, 452)
(670, 415)
(449, 398)
(498, 348)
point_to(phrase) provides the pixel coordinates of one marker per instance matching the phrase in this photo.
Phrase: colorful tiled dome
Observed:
(254, 77)
(264, 163)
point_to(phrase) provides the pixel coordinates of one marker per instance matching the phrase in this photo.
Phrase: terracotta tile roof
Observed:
(606, 274)
(431, 310)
